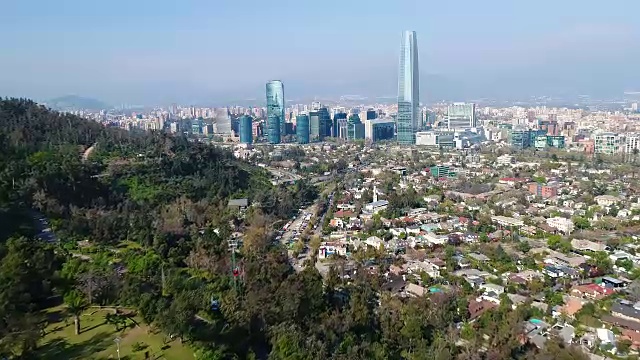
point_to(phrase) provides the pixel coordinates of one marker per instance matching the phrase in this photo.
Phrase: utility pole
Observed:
(117, 341)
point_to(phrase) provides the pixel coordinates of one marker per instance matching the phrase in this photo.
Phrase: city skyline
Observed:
(155, 53)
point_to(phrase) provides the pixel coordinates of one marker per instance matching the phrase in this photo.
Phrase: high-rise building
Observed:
(319, 124)
(608, 143)
(355, 128)
(379, 129)
(302, 128)
(275, 111)
(371, 114)
(223, 122)
(524, 138)
(632, 143)
(408, 90)
(246, 129)
(338, 119)
(461, 116)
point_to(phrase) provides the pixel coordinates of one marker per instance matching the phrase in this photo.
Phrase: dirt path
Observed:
(88, 152)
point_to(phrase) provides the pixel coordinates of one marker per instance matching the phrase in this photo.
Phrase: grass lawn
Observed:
(96, 339)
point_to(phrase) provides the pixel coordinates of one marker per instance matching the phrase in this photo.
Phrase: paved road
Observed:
(297, 227)
(43, 227)
(293, 233)
(283, 176)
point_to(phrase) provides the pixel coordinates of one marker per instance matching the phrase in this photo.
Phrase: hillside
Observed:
(160, 196)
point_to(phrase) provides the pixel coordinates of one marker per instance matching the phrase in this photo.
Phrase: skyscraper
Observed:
(408, 90)
(319, 124)
(302, 128)
(246, 129)
(355, 128)
(275, 111)
(379, 129)
(339, 118)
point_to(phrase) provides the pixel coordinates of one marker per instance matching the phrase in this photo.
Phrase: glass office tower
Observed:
(275, 111)
(408, 90)
(355, 128)
(302, 129)
(337, 117)
(246, 129)
(319, 124)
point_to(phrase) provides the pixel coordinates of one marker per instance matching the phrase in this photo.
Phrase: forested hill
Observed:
(42, 168)
(140, 202)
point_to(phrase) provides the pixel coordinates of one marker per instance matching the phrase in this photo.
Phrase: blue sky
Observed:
(143, 51)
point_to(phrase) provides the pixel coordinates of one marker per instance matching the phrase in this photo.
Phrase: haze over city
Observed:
(159, 52)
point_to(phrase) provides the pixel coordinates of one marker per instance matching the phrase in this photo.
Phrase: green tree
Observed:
(581, 222)
(76, 305)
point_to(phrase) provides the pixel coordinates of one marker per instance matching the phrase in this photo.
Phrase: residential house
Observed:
(374, 242)
(434, 239)
(376, 206)
(606, 200)
(498, 289)
(582, 245)
(591, 291)
(415, 290)
(477, 308)
(336, 223)
(517, 300)
(611, 282)
(478, 257)
(238, 204)
(561, 224)
(606, 337)
(626, 310)
(327, 249)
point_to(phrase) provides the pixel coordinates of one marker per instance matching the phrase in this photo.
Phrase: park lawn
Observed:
(96, 339)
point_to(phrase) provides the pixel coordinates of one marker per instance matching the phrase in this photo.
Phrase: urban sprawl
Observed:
(527, 205)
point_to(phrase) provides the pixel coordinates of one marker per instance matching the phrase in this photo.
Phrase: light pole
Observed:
(117, 341)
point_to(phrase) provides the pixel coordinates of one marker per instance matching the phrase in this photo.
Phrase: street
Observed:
(43, 228)
(297, 227)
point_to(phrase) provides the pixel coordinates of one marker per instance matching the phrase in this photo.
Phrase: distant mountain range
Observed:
(74, 102)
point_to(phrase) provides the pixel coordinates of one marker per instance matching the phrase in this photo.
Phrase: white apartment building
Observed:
(563, 225)
(608, 143)
(631, 143)
(505, 159)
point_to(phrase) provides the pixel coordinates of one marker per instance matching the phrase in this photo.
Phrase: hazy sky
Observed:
(153, 51)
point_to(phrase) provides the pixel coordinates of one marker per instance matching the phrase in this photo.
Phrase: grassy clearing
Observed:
(96, 339)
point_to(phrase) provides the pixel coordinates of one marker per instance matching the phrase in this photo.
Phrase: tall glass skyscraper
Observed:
(246, 129)
(408, 90)
(275, 111)
(302, 128)
(319, 124)
(338, 119)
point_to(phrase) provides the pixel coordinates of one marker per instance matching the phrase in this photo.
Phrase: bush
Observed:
(139, 346)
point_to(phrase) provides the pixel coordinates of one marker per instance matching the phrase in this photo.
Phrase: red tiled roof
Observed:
(343, 213)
